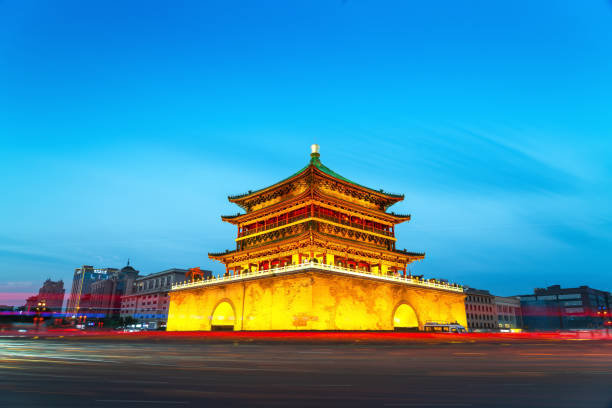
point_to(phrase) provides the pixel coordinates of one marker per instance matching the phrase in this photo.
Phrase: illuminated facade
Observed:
(315, 251)
(80, 296)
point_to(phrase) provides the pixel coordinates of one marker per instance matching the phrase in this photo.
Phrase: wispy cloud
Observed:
(30, 255)
(15, 285)
(461, 158)
(581, 236)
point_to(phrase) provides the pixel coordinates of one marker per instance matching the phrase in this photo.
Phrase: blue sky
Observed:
(124, 126)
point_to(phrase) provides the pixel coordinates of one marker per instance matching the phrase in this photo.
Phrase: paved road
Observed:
(161, 373)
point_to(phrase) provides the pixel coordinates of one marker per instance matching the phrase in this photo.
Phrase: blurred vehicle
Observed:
(435, 327)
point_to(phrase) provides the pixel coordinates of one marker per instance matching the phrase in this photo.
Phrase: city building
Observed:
(31, 303)
(509, 317)
(480, 310)
(106, 294)
(147, 301)
(556, 308)
(315, 251)
(80, 295)
(51, 294)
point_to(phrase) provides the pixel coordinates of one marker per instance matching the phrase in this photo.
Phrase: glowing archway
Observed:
(405, 318)
(223, 318)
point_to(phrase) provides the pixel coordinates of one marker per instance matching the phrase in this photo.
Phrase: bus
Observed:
(443, 327)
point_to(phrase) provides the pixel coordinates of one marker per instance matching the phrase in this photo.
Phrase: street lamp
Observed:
(41, 307)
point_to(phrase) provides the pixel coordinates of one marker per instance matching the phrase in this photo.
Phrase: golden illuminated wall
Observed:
(310, 301)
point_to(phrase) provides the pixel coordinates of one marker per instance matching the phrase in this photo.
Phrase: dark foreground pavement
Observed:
(157, 372)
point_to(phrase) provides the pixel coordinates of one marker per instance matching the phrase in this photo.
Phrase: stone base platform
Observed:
(312, 299)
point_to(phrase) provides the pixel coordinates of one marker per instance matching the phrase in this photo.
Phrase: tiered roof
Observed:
(315, 167)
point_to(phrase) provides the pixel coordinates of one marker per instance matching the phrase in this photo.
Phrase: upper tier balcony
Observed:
(317, 214)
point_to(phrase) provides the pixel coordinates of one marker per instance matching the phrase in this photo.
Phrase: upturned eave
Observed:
(317, 167)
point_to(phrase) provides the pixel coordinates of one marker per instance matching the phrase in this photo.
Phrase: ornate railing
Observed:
(270, 226)
(244, 275)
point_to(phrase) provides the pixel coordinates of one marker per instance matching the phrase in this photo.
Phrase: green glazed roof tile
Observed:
(316, 162)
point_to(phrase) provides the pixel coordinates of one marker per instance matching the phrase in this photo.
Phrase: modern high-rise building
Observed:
(106, 294)
(80, 295)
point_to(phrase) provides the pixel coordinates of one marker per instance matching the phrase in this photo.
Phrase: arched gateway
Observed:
(405, 318)
(223, 317)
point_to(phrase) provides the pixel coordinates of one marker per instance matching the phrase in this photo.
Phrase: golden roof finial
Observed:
(314, 150)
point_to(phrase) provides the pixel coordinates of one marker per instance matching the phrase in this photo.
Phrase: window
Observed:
(570, 296)
(548, 297)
